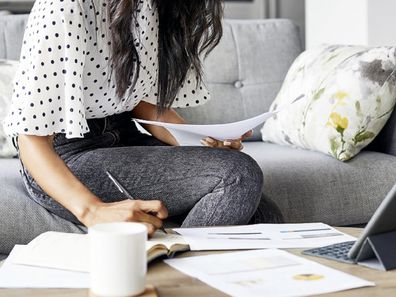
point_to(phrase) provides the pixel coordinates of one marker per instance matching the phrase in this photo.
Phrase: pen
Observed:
(124, 191)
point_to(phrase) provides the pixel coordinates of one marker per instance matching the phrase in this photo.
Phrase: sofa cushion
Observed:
(246, 70)
(21, 219)
(349, 93)
(12, 28)
(313, 187)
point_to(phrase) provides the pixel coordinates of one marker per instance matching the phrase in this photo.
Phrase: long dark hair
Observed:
(188, 29)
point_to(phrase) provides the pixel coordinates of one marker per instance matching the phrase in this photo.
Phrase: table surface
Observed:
(172, 283)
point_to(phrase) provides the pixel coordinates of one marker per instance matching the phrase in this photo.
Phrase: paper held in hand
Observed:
(191, 135)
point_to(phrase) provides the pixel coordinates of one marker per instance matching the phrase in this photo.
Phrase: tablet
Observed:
(383, 220)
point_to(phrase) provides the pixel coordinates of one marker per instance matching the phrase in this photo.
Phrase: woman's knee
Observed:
(244, 178)
(245, 169)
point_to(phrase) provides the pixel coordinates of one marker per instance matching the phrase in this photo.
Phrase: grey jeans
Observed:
(199, 186)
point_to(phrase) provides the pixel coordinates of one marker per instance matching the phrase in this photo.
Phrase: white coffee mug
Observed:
(118, 259)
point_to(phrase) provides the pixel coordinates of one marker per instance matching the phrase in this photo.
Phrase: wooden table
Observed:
(172, 283)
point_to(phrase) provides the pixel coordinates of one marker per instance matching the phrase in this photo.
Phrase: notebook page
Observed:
(168, 240)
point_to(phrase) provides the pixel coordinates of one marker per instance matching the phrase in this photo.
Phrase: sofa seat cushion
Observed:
(21, 219)
(311, 187)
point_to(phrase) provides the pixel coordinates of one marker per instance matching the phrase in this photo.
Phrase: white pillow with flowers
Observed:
(348, 93)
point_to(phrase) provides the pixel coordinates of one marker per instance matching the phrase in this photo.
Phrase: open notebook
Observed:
(69, 251)
(162, 244)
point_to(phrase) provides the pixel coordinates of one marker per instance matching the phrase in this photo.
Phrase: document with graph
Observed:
(266, 273)
(261, 236)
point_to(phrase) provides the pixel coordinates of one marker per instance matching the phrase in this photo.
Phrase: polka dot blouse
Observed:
(65, 76)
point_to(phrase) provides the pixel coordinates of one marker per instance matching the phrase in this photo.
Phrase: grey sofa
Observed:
(245, 72)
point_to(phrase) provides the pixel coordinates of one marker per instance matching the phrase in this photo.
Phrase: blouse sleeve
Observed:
(192, 93)
(48, 87)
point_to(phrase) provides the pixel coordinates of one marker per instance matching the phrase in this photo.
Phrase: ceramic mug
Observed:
(118, 259)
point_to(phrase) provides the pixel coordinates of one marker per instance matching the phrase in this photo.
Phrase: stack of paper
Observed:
(266, 273)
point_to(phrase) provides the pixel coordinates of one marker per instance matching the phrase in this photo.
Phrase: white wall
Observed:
(382, 22)
(362, 22)
(336, 21)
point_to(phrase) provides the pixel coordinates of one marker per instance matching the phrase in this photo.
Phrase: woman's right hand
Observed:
(55, 178)
(151, 213)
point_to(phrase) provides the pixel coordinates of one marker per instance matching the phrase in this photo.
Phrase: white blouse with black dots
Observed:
(65, 76)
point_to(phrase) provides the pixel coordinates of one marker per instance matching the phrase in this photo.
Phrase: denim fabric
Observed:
(202, 186)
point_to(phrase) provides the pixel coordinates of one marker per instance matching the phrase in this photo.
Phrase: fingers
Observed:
(155, 207)
(227, 144)
(247, 135)
(149, 213)
(150, 229)
(235, 144)
(210, 142)
(148, 218)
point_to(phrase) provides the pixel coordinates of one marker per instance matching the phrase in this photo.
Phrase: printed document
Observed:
(267, 273)
(261, 236)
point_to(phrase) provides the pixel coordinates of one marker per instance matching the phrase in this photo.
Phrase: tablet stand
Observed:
(379, 250)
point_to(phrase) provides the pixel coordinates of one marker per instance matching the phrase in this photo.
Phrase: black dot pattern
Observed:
(65, 76)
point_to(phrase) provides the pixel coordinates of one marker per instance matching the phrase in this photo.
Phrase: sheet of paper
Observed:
(69, 251)
(262, 236)
(65, 251)
(268, 272)
(192, 134)
(23, 276)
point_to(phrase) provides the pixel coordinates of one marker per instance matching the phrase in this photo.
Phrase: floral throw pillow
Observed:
(7, 72)
(348, 93)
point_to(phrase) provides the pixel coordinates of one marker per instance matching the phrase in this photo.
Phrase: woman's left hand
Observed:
(235, 144)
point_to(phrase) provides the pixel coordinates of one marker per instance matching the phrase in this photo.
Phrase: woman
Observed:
(88, 67)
